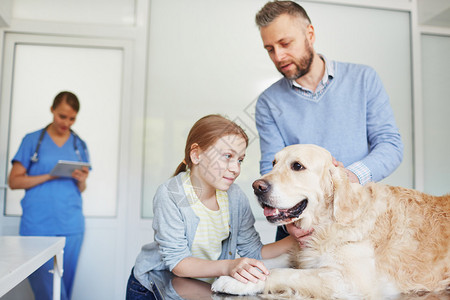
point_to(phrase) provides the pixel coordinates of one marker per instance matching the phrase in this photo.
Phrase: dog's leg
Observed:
(322, 283)
(281, 261)
(289, 283)
(229, 285)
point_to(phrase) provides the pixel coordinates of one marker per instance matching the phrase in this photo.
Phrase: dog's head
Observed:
(304, 186)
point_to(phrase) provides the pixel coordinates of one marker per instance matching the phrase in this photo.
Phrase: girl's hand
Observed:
(247, 269)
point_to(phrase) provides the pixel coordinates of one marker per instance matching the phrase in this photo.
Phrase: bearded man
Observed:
(342, 107)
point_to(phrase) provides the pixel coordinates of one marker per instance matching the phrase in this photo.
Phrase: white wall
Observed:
(188, 59)
(5, 12)
(222, 68)
(436, 109)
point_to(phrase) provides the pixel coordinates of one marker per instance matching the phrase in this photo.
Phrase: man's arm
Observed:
(270, 139)
(386, 147)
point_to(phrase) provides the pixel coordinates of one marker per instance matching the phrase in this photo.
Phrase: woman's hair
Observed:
(205, 133)
(272, 10)
(68, 97)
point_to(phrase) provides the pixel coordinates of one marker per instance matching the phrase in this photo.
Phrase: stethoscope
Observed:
(34, 158)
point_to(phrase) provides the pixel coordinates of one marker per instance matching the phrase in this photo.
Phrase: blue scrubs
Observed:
(53, 208)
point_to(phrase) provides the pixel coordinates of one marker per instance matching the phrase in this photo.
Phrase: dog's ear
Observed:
(347, 202)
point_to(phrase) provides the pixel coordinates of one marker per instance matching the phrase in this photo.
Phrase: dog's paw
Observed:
(229, 285)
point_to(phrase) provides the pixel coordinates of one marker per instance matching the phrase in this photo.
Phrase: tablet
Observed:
(65, 168)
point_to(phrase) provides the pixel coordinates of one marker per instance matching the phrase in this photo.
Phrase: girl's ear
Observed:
(195, 153)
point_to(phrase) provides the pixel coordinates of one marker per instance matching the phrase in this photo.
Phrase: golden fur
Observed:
(369, 242)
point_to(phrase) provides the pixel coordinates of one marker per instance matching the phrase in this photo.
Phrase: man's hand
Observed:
(337, 163)
(351, 176)
(301, 235)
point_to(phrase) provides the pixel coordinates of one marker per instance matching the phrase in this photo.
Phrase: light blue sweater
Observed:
(175, 224)
(351, 117)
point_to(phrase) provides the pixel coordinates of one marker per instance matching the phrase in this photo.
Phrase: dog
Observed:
(367, 242)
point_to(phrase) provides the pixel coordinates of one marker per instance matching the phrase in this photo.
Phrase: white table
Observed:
(22, 255)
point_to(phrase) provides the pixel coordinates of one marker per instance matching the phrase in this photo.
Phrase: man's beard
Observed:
(303, 65)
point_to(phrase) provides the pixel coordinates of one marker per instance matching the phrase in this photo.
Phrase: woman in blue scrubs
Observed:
(52, 206)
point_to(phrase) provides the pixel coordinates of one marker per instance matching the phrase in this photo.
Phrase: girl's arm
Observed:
(277, 248)
(18, 178)
(243, 269)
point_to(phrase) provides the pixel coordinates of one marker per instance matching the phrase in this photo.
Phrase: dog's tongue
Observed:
(270, 211)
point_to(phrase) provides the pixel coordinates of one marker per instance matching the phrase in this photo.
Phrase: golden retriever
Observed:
(367, 242)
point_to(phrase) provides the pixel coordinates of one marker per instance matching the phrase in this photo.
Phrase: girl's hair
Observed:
(68, 97)
(205, 133)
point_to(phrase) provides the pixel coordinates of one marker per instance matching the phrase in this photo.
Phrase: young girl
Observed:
(201, 218)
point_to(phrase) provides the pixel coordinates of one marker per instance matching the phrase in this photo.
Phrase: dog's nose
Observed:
(260, 187)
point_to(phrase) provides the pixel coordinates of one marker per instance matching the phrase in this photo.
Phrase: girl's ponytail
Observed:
(181, 168)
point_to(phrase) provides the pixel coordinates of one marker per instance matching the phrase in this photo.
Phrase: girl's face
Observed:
(220, 165)
(63, 118)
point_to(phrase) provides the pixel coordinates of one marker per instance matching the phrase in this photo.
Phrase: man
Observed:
(340, 106)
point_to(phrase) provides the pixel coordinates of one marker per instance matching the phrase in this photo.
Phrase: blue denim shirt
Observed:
(175, 224)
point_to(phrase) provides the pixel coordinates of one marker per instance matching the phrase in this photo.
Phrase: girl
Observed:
(52, 206)
(201, 218)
